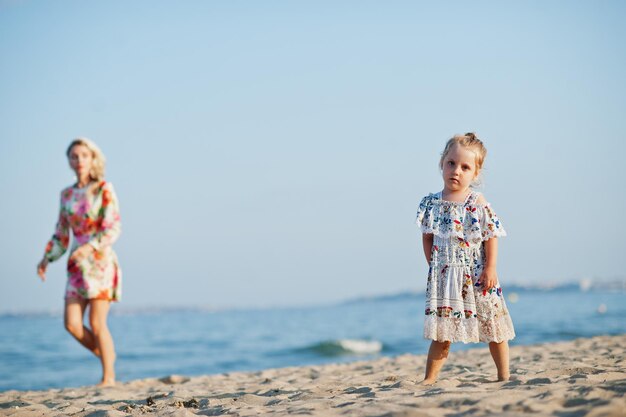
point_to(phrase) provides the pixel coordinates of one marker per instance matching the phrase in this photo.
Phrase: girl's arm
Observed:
(489, 277)
(427, 242)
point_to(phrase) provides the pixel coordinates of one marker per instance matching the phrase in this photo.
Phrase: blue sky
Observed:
(273, 153)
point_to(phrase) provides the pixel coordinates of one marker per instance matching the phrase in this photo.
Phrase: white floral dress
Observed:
(458, 309)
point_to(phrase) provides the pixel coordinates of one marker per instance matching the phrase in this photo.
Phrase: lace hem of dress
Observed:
(451, 329)
(498, 329)
(471, 330)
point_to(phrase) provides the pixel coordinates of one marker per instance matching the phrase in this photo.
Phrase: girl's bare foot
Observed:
(428, 382)
(502, 378)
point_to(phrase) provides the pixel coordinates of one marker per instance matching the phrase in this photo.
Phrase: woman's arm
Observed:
(57, 245)
(109, 217)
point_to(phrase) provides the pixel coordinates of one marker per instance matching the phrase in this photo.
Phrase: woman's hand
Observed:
(41, 269)
(489, 278)
(82, 252)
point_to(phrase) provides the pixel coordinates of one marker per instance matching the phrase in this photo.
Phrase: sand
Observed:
(584, 377)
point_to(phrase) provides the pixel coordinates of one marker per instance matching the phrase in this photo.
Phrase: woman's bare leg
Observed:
(437, 355)
(74, 313)
(500, 355)
(98, 311)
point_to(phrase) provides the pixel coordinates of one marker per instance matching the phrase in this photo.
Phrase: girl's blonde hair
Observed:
(98, 163)
(468, 140)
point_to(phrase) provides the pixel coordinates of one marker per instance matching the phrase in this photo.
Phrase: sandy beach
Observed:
(584, 377)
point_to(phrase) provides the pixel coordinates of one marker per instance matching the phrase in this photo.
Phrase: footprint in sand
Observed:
(457, 403)
(433, 392)
(482, 380)
(344, 404)
(390, 387)
(354, 390)
(519, 407)
(512, 384)
(616, 386)
(577, 402)
(539, 381)
(467, 385)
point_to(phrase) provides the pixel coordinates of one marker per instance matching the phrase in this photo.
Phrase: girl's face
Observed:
(81, 159)
(459, 168)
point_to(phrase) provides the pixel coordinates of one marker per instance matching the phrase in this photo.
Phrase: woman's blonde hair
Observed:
(98, 163)
(468, 140)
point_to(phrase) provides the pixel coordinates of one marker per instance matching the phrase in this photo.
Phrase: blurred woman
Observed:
(89, 208)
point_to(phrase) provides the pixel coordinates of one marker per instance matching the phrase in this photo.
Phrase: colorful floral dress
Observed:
(92, 213)
(458, 309)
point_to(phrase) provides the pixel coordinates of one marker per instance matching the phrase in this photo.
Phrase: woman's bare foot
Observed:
(428, 382)
(106, 383)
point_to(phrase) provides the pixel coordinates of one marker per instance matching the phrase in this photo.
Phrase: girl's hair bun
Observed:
(471, 136)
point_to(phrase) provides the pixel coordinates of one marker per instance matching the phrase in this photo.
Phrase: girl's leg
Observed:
(74, 313)
(437, 355)
(500, 355)
(98, 311)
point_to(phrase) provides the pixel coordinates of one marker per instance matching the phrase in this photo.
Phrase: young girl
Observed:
(89, 208)
(464, 301)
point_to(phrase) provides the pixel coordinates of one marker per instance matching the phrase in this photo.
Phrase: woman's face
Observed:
(81, 159)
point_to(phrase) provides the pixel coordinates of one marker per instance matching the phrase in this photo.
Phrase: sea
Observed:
(36, 353)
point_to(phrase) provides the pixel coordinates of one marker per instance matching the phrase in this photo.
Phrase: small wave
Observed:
(344, 347)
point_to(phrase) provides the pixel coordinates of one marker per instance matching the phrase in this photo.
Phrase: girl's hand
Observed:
(489, 278)
(81, 253)
(41, 269)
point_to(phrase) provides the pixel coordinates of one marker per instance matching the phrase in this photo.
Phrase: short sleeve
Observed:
(426, 218)
(490, 225)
